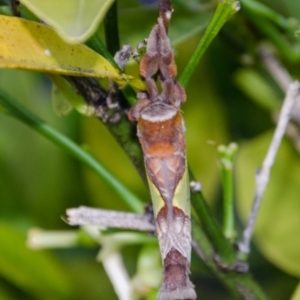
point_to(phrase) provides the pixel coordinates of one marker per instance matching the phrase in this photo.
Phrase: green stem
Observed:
(240, 285)
(226, 165)
(224, 11)
(65, 143)
(112, 30)
(221, 245)
(228, 217)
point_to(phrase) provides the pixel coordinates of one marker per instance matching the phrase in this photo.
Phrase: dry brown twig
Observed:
(283, 79)
(262, 176)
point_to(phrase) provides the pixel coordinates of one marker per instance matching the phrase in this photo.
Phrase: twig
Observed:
(116, 271)
(45, 239)
(279, 73)
(262, 176)
(283, 79)
(108, 218)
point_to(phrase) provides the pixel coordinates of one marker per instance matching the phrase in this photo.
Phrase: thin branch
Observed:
(279, 73)
(110, 218)
(283, 79)
(240, 285)
(45, 239)
(262, 176)
(117, 273)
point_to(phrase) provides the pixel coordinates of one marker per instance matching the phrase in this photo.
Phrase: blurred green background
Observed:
(231, 97)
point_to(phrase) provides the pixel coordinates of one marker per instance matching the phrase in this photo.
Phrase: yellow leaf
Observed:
(34, 46)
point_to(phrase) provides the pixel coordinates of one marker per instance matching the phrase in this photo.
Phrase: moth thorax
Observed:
(159, 112)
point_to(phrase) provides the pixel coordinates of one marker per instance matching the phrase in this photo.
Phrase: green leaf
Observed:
(34, 271)
(74, 20)
(34, 46)
(278, 224)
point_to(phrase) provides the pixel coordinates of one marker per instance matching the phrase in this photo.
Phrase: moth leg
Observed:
(159, 55)
(135, 111)
(173, 92)
(149, 66)
(150, 62)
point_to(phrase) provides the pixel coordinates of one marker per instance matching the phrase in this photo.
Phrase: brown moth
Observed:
(161, 133)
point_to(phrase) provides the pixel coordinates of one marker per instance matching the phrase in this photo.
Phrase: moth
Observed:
(161, 133)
